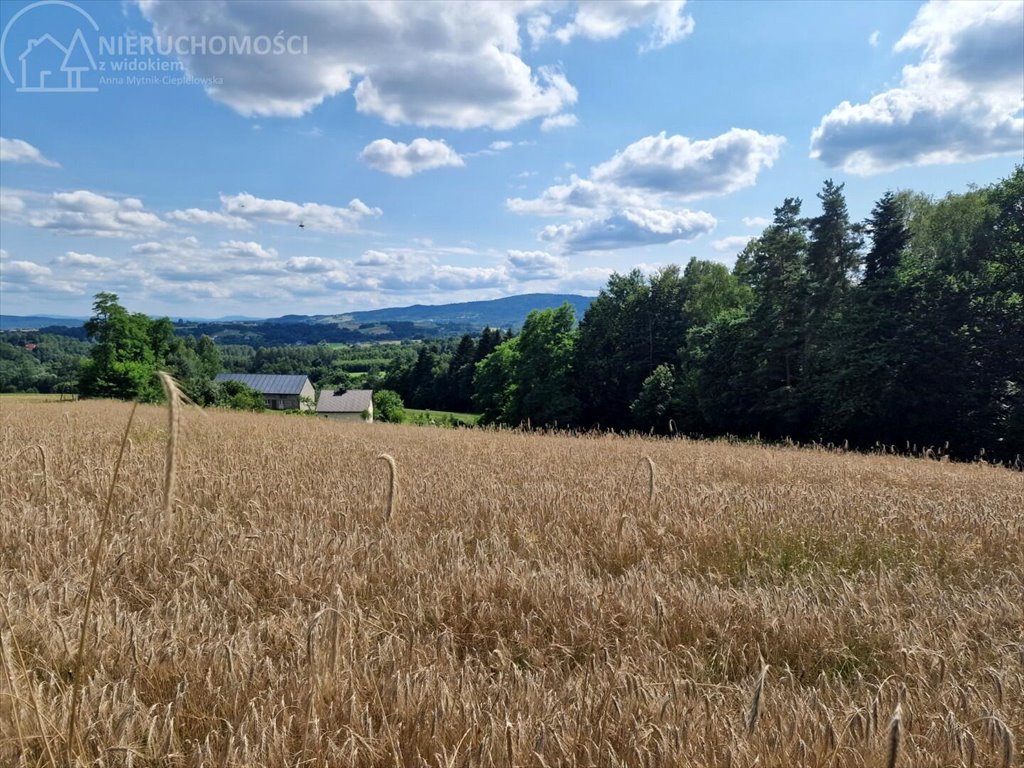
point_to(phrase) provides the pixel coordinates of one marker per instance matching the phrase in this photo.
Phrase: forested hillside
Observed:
(40, 362)
(905, 329)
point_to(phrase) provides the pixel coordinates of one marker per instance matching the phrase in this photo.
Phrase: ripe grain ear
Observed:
(754, 712)
(174, 399)
(895, 735)
(650, 478)
(392, 484)
(46, 474)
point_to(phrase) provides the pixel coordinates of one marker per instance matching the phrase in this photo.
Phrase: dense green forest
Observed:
(906, 329)
(440, 375)
(38, 362)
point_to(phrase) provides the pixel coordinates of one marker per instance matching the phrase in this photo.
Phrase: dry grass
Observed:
(529, 603)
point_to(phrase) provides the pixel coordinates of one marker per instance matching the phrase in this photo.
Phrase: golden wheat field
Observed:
(528, 602)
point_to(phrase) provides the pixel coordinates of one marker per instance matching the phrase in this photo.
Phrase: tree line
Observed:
(115, 353)
(327, 365)
(440, 375)
(905, 329)
(282, 333)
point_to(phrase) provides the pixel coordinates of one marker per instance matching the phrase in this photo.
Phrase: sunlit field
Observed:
(530, 600)
(7, 399)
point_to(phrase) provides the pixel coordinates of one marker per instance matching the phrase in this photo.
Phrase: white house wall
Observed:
(343, 416)
(310, 392)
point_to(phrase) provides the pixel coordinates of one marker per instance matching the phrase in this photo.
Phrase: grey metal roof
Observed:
(349, 401)
(269, 383)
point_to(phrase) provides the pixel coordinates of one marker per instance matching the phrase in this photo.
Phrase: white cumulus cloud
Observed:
(731, 243)
(536, 265)
(215, 218)
(90, 214)
(25, 269)
(568, 120)
(692, 169)
(12, 205)
(445, 64)
(960, 102)
(329, 218)
(182, 248)
(243, 211)
(399, 159)
(74, 260)
(635, 197)
(604, 20)
(247, 250)
(630, 228)
(661, 167)
(19, 151)
(581, 196)
(308, 264)
(30, 277)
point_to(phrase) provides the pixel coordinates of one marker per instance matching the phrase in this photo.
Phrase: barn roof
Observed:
(268, 383)
(344, 401)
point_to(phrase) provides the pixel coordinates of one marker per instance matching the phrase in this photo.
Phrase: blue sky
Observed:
(438, 153)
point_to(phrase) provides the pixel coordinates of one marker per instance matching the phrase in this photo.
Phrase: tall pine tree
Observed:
(833, 256)
(774, 352)
(858, 399)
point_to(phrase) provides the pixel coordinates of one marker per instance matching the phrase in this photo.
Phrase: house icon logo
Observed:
(77, 58)
(46, 64)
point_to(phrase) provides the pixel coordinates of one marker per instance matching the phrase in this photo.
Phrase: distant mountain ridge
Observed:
(507, 312)
(18, 322)
(510, 311)
(15, 322)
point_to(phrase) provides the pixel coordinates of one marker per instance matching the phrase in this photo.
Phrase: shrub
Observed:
(388, 406)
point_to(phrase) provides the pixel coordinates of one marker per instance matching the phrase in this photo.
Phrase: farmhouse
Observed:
(280, 392)
(346, 404)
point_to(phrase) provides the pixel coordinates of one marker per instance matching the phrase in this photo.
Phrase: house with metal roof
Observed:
(346, 404)
(281, 392)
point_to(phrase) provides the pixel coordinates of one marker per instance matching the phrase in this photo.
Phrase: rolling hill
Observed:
(510, 311)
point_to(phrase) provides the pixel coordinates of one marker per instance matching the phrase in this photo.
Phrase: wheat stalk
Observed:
(509, 753)
(9, 674)
(650, 478)
(76, 682)
(46, 474)
(895, 734)
(174, 399)
(754, 712)
(311, 660)
(392, 483)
